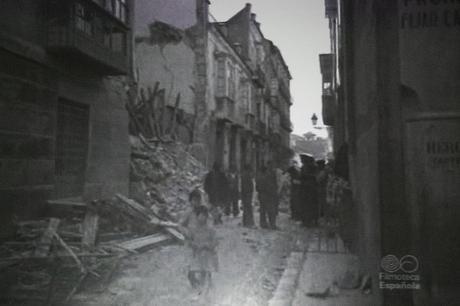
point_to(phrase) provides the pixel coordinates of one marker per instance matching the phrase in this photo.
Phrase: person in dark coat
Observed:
(266, 185)
(308, 193)
(234, 194)
(247, 191)
(321, 179)
(217, 187)
(294, 174)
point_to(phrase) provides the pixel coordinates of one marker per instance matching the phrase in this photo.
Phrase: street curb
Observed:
(286, 289)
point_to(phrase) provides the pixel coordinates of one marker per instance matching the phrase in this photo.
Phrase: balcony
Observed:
(85, 30)
(329, 110)
(225, 109)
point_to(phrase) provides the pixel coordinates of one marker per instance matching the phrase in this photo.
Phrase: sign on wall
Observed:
(433, 192)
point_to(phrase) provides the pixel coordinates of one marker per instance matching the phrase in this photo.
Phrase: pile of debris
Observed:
(50, 260)
(163, 171)
(163, 175)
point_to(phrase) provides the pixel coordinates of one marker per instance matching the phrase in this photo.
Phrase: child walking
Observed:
(203, 243)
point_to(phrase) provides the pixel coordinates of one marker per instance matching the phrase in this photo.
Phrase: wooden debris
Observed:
(147, 108)
(77, 202)
(90, 226)
(76, 286)
(147, 214)
(143, 242)
(46, 239)
(71, 253)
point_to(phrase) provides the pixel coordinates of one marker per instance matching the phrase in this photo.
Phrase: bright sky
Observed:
(300, 29)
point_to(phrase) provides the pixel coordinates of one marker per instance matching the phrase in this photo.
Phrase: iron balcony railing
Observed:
(86, 29)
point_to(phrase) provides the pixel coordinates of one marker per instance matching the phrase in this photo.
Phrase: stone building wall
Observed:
(44, 99)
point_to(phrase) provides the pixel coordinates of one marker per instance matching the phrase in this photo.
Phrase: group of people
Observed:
(226, 190)
(308, 190)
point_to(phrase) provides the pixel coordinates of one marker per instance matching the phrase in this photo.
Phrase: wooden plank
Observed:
(143, 242)
(71, 253)
(154, 219)
(46, 239)
(12, 259)
(90, 227)
(68, 202)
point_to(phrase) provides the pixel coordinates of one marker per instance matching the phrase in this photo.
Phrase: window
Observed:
(231, 81)
(221, 77)
(274, 86)
(118, 8)
(84, 19)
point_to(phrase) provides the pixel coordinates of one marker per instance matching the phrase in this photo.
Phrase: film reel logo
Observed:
(392, 264)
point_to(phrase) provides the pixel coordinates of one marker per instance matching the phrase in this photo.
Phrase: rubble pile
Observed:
(162, 175)
(50, 260)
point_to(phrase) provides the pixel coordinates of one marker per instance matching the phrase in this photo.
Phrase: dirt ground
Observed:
(251, 264)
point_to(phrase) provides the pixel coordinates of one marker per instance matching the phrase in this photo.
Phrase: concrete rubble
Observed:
(80, 244)
(164, 176)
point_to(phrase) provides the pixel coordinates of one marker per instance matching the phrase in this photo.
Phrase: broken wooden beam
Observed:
(76, 202)
(71, 253)
(143, 242)
(47, 238)
(90, 227)
(150, 215)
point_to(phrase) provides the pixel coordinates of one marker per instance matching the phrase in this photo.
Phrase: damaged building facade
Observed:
(391, 87)
(64, 128)
(233, 82)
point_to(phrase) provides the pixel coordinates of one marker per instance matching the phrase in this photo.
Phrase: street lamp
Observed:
(314, 119)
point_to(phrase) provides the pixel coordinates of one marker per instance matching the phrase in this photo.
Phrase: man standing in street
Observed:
(294, 174)
(268, 196)
(217, 187)
(309, 200)
(234, 194)
(247, 191)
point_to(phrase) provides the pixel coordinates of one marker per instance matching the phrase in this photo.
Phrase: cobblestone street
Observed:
(251, 264)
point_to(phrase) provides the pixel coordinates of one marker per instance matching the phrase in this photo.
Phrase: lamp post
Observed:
(314, 120)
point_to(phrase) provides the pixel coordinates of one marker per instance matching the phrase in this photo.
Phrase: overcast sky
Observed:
(300, 30)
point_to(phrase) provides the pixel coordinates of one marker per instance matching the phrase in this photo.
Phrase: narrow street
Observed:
(251, 264)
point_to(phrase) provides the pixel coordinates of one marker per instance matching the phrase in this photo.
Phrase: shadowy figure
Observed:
(217, 187)
(247, 191)
(308, 193)
(268, 196)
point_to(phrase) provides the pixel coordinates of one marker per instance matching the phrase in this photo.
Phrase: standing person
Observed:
(321, 180)
(203, 243)
(294, 174)
(234, 194)
(308, 198)
(268, 196)
(188, 219)
(217, 187)
(247, 191)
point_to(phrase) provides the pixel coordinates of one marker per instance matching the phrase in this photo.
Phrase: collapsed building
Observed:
(232, 81)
